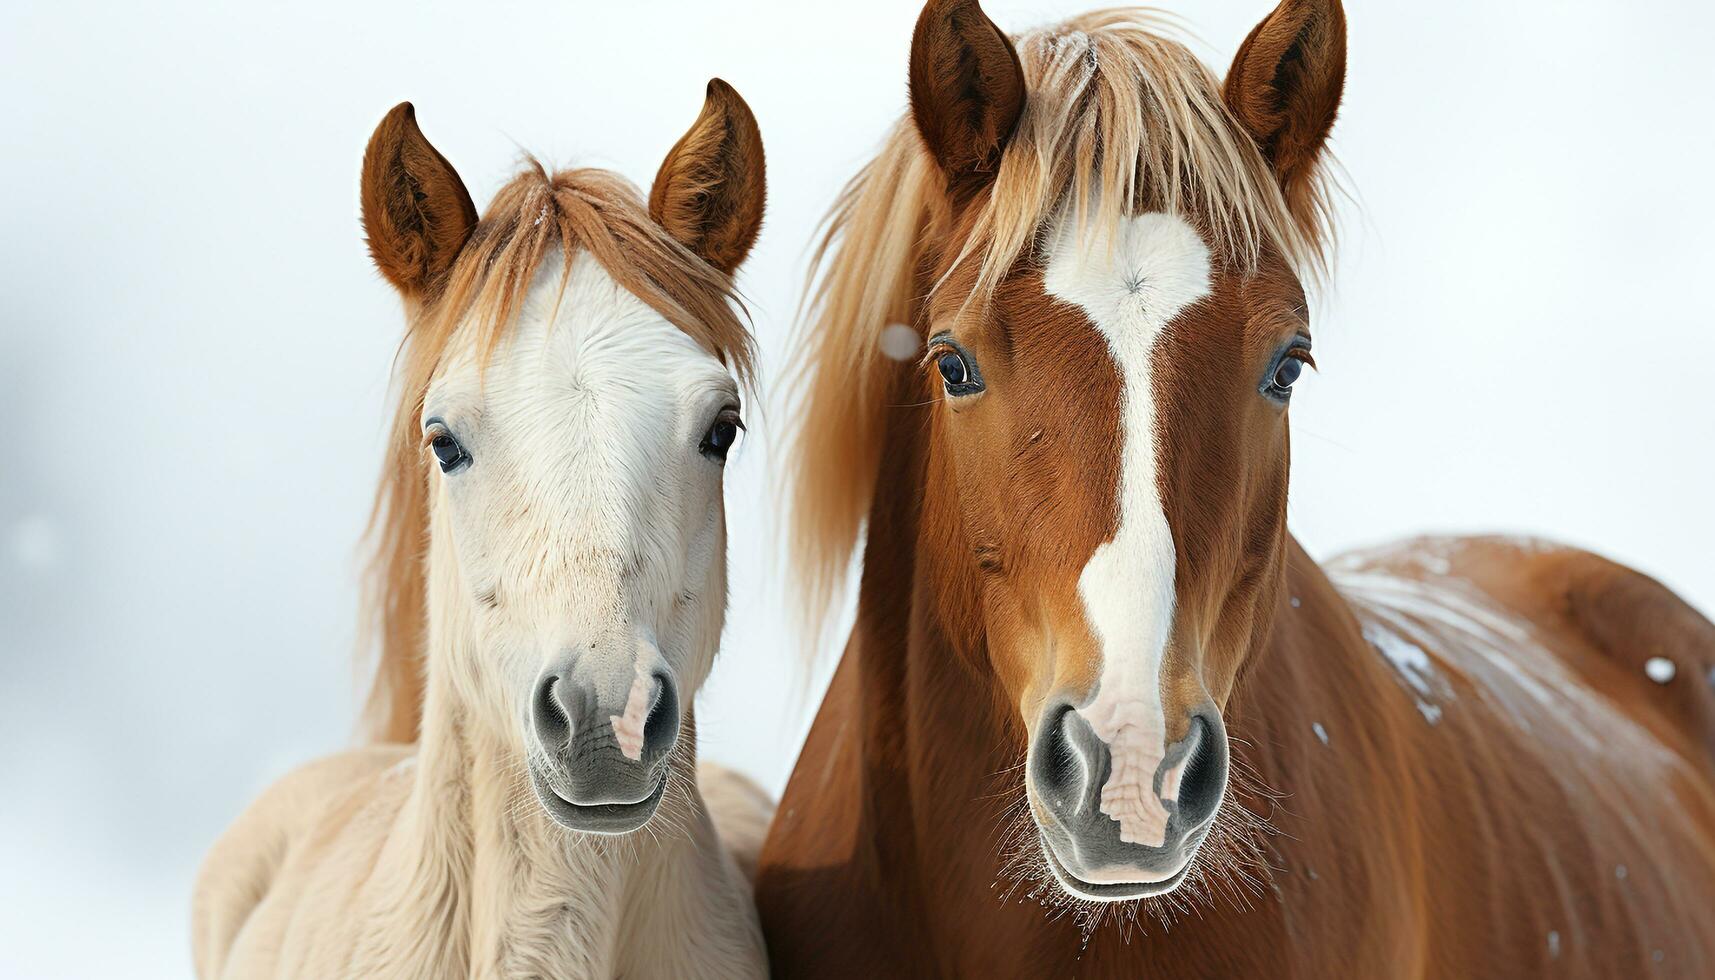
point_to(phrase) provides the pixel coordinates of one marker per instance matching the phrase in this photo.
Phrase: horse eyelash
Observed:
(933, 349)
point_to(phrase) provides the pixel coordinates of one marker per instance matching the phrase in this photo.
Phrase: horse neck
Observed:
(473, 859)
(937, 706)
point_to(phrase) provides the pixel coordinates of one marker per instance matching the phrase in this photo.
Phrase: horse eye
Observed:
(718, 441)
(953, 370)
(448, 451)
(958, 373)
(1287, 370)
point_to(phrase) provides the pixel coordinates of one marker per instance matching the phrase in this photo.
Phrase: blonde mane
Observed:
(1118, 119)
(592, 210)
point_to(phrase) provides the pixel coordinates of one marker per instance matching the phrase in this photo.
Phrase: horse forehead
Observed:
(1131, 278)
(587, 390)
(590, 357)
(594, 334)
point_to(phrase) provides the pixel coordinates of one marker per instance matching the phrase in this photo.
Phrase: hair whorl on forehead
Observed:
(532, 216)
(1118, 119)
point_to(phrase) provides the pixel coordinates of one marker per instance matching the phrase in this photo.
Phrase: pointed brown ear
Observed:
(711, 189)
(1285, 87)
(416, 211)
(967, 89)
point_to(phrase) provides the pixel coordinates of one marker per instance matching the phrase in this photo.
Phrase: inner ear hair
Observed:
(417, 214)
(711, 189)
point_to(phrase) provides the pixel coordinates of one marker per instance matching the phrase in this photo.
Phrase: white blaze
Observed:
(1131, 286)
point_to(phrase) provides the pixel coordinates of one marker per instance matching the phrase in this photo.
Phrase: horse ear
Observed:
(1285, 86)
(416, 211)
(967, 89)
(711, 189)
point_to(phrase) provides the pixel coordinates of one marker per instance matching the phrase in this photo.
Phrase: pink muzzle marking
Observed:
(1170, 780)
(1129, 794)
(628, 728)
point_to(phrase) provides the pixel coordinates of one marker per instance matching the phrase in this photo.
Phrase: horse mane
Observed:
(536, 212)
(1118, 119)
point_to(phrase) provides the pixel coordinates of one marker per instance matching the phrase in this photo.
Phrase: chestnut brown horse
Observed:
(1100, 715)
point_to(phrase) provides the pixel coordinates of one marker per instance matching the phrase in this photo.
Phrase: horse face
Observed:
(1113, 431)
(577, 530)
(580, 490)
(1116, 431)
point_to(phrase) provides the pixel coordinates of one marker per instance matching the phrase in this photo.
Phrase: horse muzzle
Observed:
(600, 767)
(1134, 835)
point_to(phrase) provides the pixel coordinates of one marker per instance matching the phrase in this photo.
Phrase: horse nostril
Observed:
(662, 725)
(553, 723)
(1205, 774)
(1066, 752)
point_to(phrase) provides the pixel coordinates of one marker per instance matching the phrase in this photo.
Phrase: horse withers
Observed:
(552, 584)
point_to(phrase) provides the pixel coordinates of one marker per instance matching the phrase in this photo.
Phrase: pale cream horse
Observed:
(571, 387)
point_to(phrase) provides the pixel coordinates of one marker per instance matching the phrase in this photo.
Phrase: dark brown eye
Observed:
(1288, 366)
(958, 372)
(718, 441)
(447, 451)
(953, 370)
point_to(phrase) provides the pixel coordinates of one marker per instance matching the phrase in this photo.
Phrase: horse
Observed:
(1100, 714)
(551, 548)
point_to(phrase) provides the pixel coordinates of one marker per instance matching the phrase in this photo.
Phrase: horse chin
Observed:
(611, 818)
(1116, 888)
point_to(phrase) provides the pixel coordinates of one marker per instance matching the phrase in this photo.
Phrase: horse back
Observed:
(1566, 777)
(1621, 632)
(1644, 630)
(243, 867)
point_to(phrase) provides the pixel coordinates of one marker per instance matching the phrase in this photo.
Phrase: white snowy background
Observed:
(194, 350)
